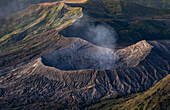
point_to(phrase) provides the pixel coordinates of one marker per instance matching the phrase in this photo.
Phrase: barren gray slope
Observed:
(84, 55)
(36, 82)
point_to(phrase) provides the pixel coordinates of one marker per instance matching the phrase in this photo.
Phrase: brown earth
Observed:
(138, 67)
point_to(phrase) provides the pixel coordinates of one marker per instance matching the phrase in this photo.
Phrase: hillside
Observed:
(156, 98)
(75, 1)
(31, 32)
(152, 3)
(42, 69)
(59, 84)
(112, 8)
(132, 22)
(8, 7)
(16, 31)
(115, 6)
(128, 31)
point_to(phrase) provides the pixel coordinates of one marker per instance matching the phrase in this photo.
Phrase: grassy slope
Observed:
(12, 6)
(156, 98)
(8, 7)
(152, 3)
(119, 15)
(112, 8)
(32, 31)
(127, 31)
(25, 35)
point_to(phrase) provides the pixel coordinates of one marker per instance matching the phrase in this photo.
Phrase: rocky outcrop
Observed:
(140, 66)
(132, 55)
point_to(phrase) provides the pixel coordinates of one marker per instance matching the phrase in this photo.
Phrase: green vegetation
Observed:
(117, 8)
(8, 7)
(128, 32)
(156, 98)
(144, 29)
(152, 3)
(132, 22)
(27, 34)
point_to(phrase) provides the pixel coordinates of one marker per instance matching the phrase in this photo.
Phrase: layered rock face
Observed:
(136, 68)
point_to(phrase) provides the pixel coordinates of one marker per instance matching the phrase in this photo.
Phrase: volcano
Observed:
(41, 68)
(84, 55)
(50, 79)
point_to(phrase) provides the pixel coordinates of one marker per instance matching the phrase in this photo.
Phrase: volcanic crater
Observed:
(82, 54)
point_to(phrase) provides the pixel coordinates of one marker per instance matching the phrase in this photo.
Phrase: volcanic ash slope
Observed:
(75, 74)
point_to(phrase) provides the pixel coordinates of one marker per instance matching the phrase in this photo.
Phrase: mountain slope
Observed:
(59, 72)
(156, 98)
(37, 85)
(112, 8)
(152, 3)
(8, 7)
(32, 31)
(132, 22)
(127, 31)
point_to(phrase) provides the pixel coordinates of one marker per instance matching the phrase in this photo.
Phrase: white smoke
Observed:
(100, 34)
(88, 56)
(103, 35)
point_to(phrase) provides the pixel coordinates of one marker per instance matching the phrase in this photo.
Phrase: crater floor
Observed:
(84, 55)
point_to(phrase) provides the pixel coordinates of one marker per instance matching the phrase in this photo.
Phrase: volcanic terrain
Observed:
(42, 69)
(132, 69)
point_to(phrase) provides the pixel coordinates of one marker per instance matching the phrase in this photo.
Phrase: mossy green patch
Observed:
(156, 98)
(118, 8)
(29, 33)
